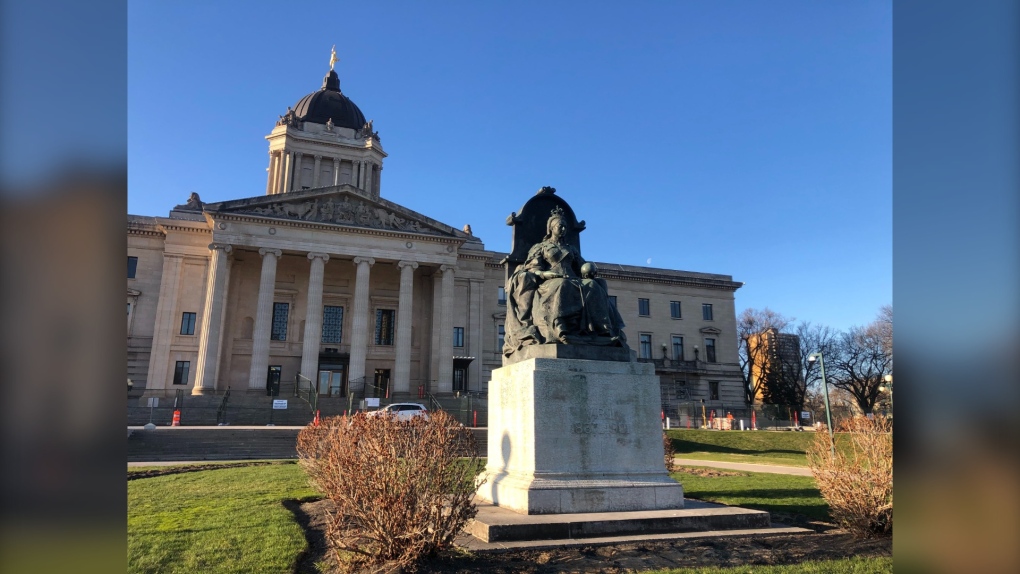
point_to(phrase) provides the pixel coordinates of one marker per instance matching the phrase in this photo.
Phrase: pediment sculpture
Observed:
(343, 210)
(553, 294)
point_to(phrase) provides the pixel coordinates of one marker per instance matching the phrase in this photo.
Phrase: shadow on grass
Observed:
(316, 550)
(762, 493)
(684, 447)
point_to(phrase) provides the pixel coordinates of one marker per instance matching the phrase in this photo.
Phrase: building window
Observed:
(643, 308)
(713, 390)
(460, 379)
(612, 301)
(281, 312)
(646, 346)
(674, 309)
(710, 350)
(332, 324)
(132, 267)
(500, 338)
(458, 336)
(384, 326)
(678, 348)
(706, 311)
(181, 372)
(501, 296)
(188, 324)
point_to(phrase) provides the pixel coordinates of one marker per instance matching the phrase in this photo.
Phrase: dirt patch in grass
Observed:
(708, 472)
(825, 543)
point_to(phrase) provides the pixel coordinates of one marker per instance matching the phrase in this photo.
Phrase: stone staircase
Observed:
(255, 409)
(239, 410)
(224, 443)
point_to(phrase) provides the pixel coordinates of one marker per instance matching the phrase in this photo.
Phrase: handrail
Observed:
(313, 395)
(434, 404)
(221, 413)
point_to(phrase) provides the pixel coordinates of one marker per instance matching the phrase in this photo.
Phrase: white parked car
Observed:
(402, 411)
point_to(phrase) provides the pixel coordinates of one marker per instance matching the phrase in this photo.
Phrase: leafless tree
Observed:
(862, 357)
(814, 339)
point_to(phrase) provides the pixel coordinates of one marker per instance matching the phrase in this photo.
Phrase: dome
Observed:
(318, 107)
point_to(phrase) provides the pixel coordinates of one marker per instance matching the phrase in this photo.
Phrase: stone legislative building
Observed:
(320, 276)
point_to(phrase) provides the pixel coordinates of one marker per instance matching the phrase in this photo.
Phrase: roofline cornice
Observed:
(299, 224)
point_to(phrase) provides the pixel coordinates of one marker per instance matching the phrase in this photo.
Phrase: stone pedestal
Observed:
(576, 436)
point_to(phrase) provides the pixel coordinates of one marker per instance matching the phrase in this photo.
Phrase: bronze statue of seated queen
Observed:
(553, 295)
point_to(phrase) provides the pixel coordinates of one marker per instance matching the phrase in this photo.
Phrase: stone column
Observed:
(263, 320)
(313, 318)
(474, 329)
(159, 356)
(437, 303)
(378, 181)
(359, 325)
(315, 171)
(336, 171)
(288, 172)
(361, 173)
(446, 332)
(402, 366)
(368, 177)
(271, 173)
(211, 334)
(298, 159)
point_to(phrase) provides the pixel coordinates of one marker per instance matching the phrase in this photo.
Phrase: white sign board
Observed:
(153, 401)
(371, 401)
(805, 414)
(279, 404)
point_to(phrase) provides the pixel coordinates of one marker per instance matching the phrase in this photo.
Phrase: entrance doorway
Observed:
(331, 382)
(273, 380)
(382, 382)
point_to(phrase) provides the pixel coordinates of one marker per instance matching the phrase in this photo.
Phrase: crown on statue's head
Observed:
(556, 211)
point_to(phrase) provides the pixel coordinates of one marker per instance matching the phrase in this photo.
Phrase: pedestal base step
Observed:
(495, 524)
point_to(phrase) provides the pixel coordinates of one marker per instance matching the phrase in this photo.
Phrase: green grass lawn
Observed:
(857, 565)
(771, 492)
(761, 447)
(217, 521)
(233, 520)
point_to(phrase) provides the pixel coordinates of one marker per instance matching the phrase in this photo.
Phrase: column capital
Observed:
(263, 251)
(224, 246)
(318, 157)
(336, 161)
(360, 260)
(445, 268)
(316, 255)
(412, 264)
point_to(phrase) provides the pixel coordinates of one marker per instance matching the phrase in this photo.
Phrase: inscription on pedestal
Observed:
(599, 420)
(611, 427)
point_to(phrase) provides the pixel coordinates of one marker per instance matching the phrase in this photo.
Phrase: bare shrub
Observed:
(857, 482)
(670, 452)
(401, 490)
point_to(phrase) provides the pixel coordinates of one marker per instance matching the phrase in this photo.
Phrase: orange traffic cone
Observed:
(177, 419)
(315, 421)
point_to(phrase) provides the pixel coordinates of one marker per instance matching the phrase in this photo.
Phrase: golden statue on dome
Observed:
(332, 58)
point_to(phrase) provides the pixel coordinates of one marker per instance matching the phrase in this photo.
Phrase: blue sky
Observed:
(750, 138)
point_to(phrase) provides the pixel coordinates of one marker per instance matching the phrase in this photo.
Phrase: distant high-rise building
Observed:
(775, 363)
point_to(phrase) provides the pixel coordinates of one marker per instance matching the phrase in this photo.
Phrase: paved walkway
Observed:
(746, 466)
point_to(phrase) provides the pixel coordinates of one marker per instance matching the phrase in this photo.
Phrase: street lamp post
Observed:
(825, 393)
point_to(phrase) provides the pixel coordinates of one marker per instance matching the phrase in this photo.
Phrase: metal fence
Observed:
(694, 414)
